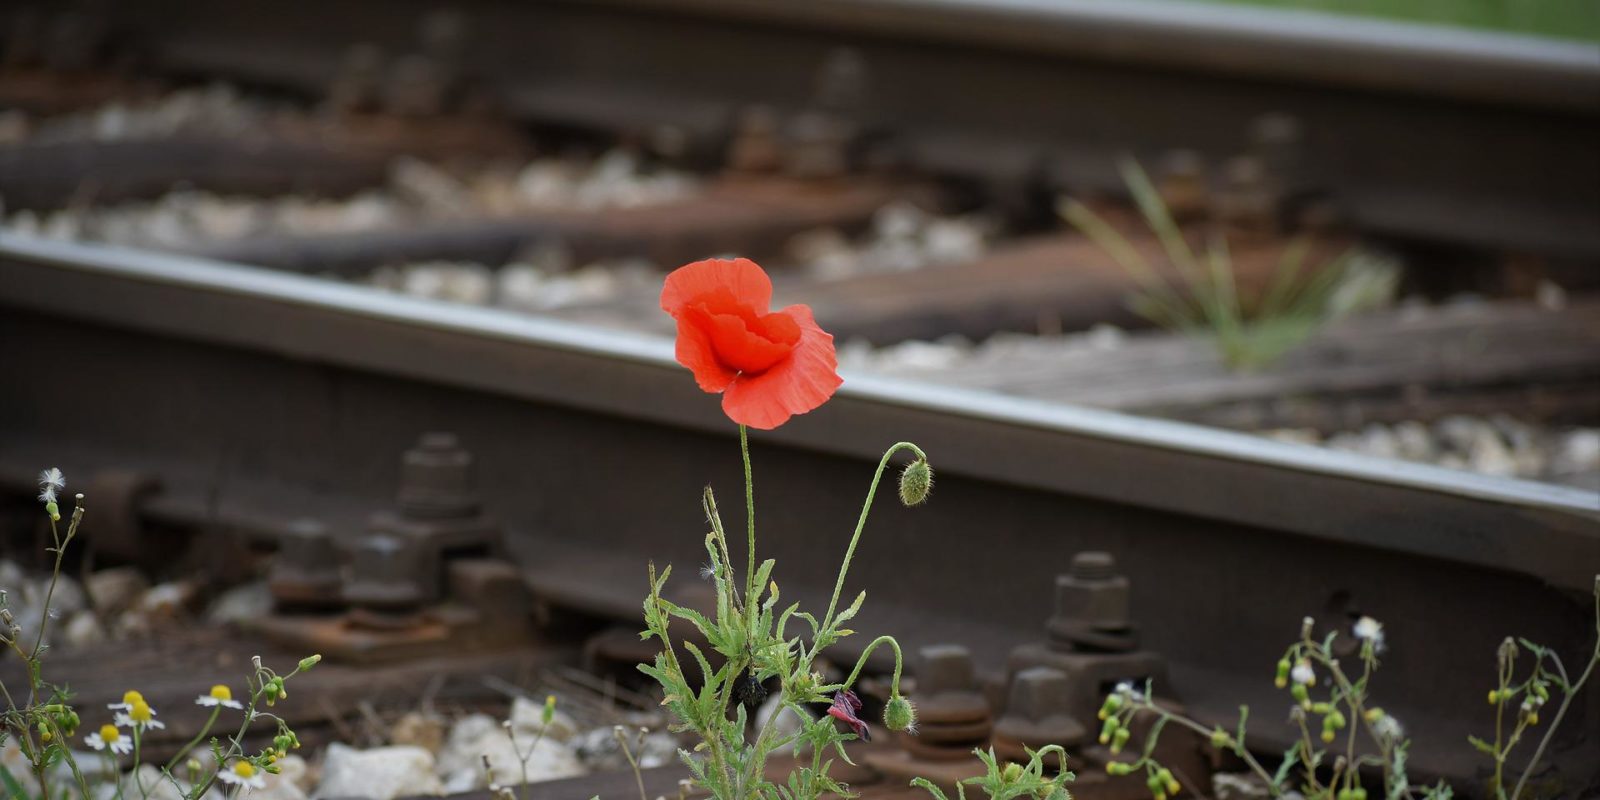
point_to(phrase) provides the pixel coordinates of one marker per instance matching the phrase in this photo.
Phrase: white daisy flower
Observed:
(243, 773)
(128, 699)
(220, 696)
(50, 482)
(1302, 674)
(140, 717)
(109, 737)
(1368, 629)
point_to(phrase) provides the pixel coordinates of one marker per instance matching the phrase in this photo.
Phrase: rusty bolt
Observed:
(947, 688)
(436, 479)
(1092, 606)
(1038, 710)
(384, 575)
(306, 569)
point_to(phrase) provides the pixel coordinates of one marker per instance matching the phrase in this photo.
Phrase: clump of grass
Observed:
(1205, 299)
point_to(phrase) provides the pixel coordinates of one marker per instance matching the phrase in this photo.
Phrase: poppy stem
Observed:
(894, 686)
(866, 508)
(749, 514)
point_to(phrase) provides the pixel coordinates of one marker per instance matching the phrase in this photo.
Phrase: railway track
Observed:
(1427, 135)
(225, 414)
(246, 401)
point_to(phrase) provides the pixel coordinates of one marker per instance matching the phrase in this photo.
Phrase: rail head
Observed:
(1247, 41)
(1546, 531)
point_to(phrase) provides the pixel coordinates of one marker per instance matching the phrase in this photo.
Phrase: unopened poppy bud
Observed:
(309, 661)
(53, 510)
(1012, 772)
(1282, 678)
(1219, 738)
(915, 482)
(1119, 739)
(899, 714)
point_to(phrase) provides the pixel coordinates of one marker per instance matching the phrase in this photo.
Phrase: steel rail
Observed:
(1277, 44)
(1537, 530)
(1416, 133)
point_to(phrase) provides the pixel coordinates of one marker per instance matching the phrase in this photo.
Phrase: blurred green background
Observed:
(1562, 19)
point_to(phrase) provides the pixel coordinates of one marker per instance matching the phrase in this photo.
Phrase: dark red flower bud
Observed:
(846, 708)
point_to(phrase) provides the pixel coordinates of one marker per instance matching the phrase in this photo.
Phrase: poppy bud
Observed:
(899, 714)
(915, 482)
(1012, 772)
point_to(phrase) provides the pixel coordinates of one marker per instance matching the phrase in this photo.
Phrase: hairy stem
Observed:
(866, 508)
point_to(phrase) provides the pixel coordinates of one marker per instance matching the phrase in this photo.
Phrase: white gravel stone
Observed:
(381, 773)
(472, 738)
(116, 589)
(242, 603)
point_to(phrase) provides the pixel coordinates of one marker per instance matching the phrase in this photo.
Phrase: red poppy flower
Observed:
(768, 366)
(846, 708)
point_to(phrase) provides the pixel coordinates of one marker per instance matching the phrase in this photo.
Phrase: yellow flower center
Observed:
(243, 769)
(220, 692)
(109, 734)
(140, 711)
(130, 697)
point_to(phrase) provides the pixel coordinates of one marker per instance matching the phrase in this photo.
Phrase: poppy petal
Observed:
(694, 351)
(740, 276)
(794, 386)
(751, 346)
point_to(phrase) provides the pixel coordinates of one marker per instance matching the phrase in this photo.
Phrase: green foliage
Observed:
(1329, 762)
(751, 639)
(1011, 781)
(41, 720)
(1205, 301)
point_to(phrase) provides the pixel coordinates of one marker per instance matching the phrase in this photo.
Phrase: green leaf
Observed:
(1481, 746)
(848, 613)
(13, 788)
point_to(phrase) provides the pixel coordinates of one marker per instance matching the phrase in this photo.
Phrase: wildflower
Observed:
(1302, 674)
(128, 699)
(139, 716)
(1369, 631)
(1127, 690)
(767, 366)
(846, 706)
(243, 773)
(109, 737)
(50, 482)
(220, 696)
